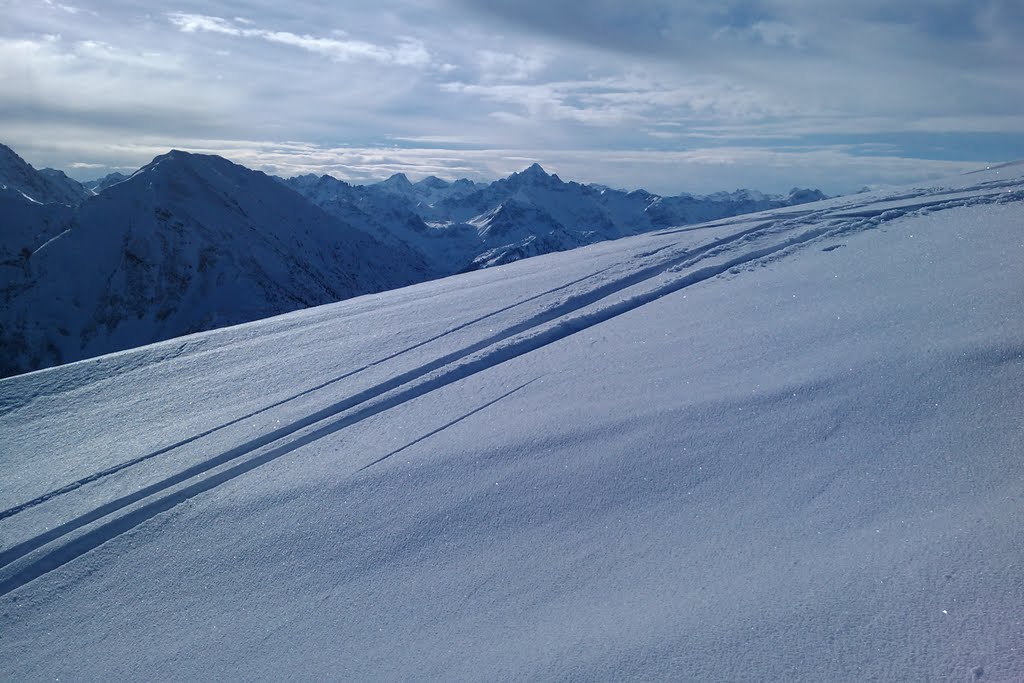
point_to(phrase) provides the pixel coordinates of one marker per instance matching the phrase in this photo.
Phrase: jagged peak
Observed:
(535, 169)
(533, 175)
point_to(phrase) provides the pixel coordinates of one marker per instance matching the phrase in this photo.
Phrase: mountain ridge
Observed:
(451, 222)
(185, 244)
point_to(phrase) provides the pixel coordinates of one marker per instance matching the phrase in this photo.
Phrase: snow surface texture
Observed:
(781, 447)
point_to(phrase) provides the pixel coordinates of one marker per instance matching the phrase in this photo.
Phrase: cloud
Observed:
(408, 52)
(771, 33)
(505, 66)
(52, 79)
(194, 23)
(482, 86)
(633, 99)
(875, 56)
(70, 9)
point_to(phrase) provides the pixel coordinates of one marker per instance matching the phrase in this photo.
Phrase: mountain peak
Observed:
(181, 156)
(397, 184)
(398, 180)
(41, 186)
(533, 175)
(100, 184)
(176, 154)
(535, 169)
(177, 160)
(433, 182)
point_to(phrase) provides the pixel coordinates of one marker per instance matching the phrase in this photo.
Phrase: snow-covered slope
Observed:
(188, 243)
(778, 447)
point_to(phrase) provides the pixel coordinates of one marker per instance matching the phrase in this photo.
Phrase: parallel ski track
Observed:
(545, 328)
(286, 430)
(96, 476)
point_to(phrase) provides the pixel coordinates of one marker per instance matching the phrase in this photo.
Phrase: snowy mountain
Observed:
(47, 186)
(187, 243)
(464, 225)
(64, 189)
(103, 183)
(424, 193)
(134, 267)
(392, 218)
(782, 447)
(191, 243)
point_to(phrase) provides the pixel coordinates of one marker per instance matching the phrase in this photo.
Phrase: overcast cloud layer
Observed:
(671, 95)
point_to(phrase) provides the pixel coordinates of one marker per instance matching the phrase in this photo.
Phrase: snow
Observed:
(784, 446)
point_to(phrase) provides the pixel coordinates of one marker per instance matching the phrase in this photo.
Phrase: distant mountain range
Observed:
(464, 225)
(194, 242)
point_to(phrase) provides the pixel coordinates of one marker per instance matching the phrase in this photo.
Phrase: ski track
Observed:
(571, 304)
(96, 476)
(546, 327)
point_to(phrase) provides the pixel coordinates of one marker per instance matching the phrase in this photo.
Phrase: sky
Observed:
(669, 95)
